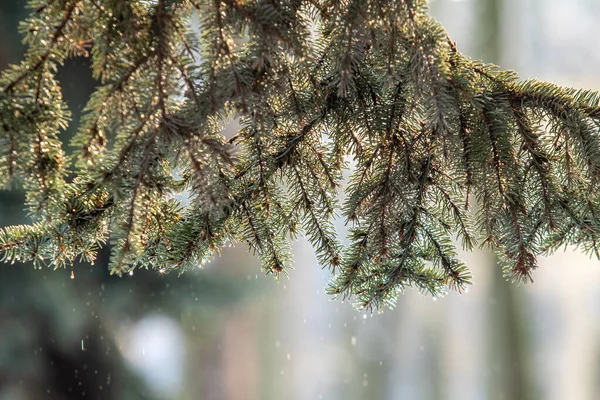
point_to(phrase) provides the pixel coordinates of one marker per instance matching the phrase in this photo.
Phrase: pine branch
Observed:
(437, 147)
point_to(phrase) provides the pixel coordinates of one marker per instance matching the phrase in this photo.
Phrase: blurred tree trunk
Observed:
(505, 319)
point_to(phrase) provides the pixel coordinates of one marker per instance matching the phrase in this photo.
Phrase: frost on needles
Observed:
(364, 100)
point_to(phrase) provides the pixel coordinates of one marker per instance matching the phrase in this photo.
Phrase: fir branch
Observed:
(370, 89)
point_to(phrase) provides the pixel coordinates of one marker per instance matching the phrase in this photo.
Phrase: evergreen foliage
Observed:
(437, 146)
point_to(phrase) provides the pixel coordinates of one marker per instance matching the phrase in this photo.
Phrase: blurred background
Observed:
(228, 332)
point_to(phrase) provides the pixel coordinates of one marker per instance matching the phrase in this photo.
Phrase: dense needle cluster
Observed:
(364, 100)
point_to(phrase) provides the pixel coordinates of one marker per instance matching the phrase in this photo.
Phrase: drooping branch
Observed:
(372, 90)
